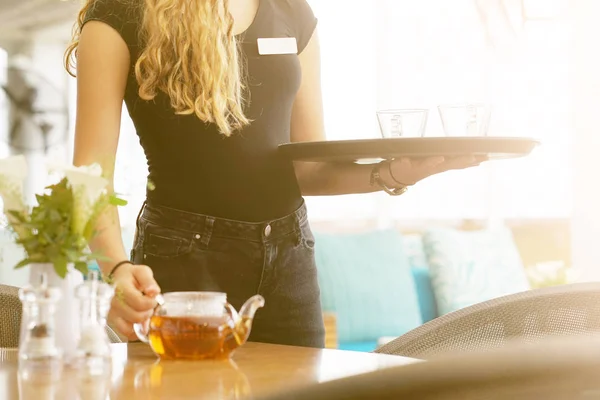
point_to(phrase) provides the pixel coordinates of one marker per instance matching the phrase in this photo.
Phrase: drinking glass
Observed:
(402, 122)
(465, 119)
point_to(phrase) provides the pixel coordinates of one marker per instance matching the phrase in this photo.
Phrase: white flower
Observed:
(13, 171)
(93, 169)
(87, 185)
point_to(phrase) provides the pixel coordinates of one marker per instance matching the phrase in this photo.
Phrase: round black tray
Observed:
(373, 150)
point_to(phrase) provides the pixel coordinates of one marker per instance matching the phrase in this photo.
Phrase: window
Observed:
(406, 54)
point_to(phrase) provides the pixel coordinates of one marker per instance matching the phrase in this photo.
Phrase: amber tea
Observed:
(196, 338)
(198, 325)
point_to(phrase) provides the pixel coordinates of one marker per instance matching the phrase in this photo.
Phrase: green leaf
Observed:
(60, 266)
(98, 257)
(82, 267)
(71, 254)
(116, 201)
(55, 216)
(18, 215)
(100, 206)
(23, 263)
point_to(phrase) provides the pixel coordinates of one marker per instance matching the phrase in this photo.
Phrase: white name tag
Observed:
(272, 46)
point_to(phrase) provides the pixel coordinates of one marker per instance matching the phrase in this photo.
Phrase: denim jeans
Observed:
(193, 252)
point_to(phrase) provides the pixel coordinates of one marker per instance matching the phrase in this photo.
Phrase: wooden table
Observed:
(256, 369)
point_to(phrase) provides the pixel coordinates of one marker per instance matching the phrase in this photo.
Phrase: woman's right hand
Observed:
(134, 300)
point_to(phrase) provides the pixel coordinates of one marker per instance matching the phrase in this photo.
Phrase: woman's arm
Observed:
(102, 69)
(320, 178)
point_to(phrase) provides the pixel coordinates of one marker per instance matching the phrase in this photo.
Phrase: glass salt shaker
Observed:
(38, 351)
(93, 351)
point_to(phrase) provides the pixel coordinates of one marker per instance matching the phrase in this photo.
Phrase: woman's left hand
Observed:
(409, 171)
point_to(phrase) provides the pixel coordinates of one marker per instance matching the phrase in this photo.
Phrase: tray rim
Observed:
(354, 155)
(531, 140)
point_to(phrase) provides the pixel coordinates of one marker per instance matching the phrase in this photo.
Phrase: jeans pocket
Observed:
(164, 242)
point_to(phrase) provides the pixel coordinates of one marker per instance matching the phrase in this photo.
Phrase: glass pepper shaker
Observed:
(93, 351)
(38, 351)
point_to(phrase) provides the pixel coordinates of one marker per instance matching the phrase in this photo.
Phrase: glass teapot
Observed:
(198, 325)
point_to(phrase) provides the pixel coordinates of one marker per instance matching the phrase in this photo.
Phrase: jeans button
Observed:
(268, 231)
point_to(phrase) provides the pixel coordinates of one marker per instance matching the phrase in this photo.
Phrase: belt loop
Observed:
(298, 220)
(209, 222)
(300, 215)
(298, 227)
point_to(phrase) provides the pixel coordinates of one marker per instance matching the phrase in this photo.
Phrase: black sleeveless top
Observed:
(194, 168)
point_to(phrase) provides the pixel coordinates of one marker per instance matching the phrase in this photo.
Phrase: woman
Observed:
(210, 105)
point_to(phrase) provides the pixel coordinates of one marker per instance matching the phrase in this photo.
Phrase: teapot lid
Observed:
(194, 296)
(192, 303)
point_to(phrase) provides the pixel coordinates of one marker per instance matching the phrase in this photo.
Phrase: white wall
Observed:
(586, 149)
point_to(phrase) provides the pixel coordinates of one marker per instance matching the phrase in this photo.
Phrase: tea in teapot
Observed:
(198, 325)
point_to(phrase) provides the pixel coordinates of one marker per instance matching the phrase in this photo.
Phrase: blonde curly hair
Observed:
(202, 73)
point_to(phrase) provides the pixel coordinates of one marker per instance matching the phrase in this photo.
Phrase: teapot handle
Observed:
(139, 328)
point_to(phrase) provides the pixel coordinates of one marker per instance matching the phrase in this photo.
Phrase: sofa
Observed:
(381, 283)
(427, 311)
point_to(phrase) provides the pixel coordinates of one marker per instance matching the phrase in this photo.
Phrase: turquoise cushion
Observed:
(413, 247)
(366, 281)
(365, 347)
(412, 244)
(425, 293)
(469, 267)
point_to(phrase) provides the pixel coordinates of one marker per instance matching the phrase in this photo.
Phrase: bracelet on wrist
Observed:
(116, 267)
(389, 163)
(376, 180)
